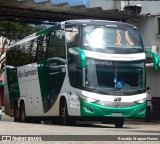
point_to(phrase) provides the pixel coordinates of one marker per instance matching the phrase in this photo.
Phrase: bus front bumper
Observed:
(93, 109)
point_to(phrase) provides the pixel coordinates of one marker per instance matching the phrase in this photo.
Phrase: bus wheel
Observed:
(16, 113)
(119, 123)
(64, 114)
(56, 120)
(22, 113)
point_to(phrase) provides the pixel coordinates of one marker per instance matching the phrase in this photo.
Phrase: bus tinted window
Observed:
(75, 73)
(22, 54)
(106, 76)
(103, 37)
(56, 47)
(41, 48)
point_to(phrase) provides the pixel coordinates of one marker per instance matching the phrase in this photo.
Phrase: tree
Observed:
(14, 31)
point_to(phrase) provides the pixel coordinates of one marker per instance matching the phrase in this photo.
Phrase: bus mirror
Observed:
(82, 58)
(155, 59)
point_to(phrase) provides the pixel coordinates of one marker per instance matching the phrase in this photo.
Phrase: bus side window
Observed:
(72, 36)
(22, 54)
(56, 44)
(75, 73)
(41, 48)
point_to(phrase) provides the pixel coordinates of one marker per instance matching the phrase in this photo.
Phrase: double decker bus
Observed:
(77, 70)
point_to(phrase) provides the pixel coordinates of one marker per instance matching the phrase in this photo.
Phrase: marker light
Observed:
(88, 99)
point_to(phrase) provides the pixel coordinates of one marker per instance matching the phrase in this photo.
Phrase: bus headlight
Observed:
(88, 99)
(140, 101)
(91, 100)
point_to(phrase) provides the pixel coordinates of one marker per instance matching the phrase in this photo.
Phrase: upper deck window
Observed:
(104, 37)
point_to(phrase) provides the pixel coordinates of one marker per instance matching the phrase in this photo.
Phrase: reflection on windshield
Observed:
(109, 76)
(95, 38)
(102, 37)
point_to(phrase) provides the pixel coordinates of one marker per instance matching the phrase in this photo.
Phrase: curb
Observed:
(141, 121)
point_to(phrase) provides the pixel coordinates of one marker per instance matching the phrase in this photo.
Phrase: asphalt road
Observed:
(84, 132)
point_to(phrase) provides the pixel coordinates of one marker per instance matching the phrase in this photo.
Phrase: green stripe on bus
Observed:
(82, 58)
(136, 111)
(44, 31)
(42, 74)
(155, 58)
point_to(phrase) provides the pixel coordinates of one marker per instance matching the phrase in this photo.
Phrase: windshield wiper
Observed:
(91, 88)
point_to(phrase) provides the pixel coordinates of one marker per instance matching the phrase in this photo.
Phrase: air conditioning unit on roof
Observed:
(133, 8)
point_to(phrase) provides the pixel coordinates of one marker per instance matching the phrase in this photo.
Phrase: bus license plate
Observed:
(117, 114)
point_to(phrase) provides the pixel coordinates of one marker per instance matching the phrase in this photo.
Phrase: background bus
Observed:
(77, 70)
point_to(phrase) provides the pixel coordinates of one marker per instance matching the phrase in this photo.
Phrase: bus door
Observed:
(55, 70)
(72, 42)
(75, 79)
(56, 75)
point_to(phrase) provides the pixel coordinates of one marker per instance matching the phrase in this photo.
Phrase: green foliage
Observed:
(16, 30)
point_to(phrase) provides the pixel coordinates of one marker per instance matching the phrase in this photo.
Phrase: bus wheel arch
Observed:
(16, 112)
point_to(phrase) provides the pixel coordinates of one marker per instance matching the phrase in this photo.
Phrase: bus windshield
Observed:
(105, 37)
(115, 76)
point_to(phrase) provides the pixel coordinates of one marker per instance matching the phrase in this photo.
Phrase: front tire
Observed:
(119, 123)
(65, 119)
(64, 114)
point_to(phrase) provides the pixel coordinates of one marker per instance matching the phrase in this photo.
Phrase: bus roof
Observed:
(98, 22)
(75, 22)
